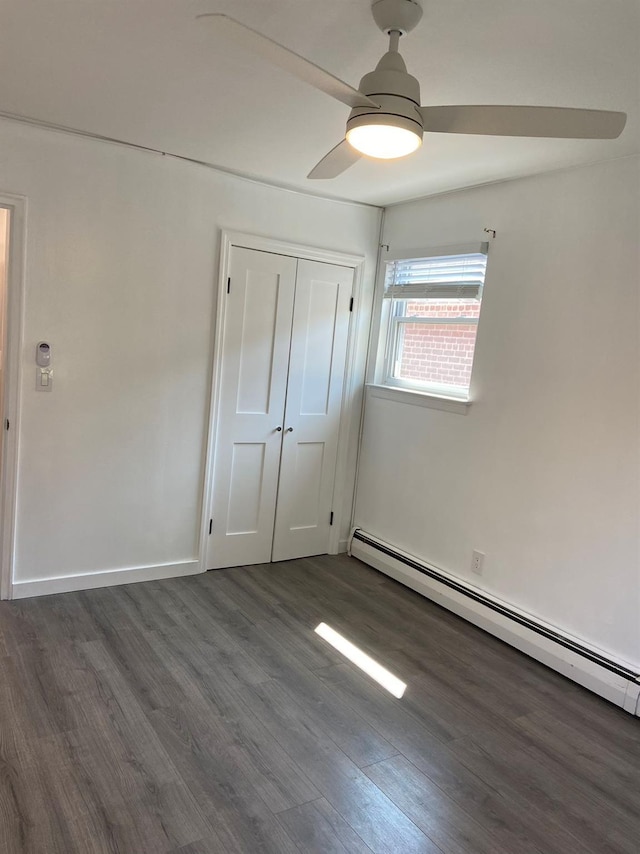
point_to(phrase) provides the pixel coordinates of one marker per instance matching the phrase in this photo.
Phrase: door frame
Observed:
(229, 239)
(13, 317)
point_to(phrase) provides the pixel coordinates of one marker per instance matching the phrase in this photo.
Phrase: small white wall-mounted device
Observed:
(44, 373)
(43, 354)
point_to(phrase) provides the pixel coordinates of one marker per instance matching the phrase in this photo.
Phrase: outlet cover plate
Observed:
(477, 562)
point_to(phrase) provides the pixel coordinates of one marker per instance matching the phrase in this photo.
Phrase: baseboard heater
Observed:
(613, 679)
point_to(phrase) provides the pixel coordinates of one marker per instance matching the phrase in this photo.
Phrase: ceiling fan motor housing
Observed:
(399, 16)
(397, 93)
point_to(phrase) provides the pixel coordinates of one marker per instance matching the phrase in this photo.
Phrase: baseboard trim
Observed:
(615, 680)
(108, 578)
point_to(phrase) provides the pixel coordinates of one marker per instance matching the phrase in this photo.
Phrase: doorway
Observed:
(12, 226)
(283, 358)
(4, 267)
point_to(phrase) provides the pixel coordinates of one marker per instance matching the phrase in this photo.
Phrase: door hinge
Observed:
(331, 518)
(229, 285)
(6, 424)
(351, 304)
(210, 526)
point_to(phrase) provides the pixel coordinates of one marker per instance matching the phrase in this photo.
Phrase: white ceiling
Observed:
(147, 72)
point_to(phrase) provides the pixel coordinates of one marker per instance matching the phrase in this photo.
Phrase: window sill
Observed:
(419, 398)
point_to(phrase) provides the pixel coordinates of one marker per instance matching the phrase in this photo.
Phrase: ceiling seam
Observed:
(96, 137)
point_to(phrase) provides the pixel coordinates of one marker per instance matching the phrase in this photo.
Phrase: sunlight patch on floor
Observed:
(376, 671)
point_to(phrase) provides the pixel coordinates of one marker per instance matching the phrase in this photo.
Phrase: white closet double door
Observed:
(284, 349)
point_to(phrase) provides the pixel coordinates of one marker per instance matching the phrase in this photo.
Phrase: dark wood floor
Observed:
(203, 714)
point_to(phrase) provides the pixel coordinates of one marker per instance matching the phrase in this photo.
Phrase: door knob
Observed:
(289, 429)
(279, 429)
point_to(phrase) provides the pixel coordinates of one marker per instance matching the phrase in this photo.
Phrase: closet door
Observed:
(314, 403)
(257, 333)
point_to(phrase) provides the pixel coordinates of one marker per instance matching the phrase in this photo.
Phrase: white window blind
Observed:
(438, 277)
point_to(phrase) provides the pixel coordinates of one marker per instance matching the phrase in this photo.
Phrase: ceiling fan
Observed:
(386, 120)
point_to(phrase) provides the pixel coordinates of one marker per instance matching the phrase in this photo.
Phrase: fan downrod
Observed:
(396, 16)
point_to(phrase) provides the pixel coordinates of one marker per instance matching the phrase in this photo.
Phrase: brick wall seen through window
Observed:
(438, 353)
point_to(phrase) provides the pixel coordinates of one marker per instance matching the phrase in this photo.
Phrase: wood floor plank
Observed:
(276, 653)
(220, 785)
(441, 818)
(318, 828)
(373, 816)
(47, 777)
(448, 696)
(588, 758)
(58, 619)
(202, 846)
(203, 715)
(144, 671)
(538, 686)
(137, 604)
(505, 817)
(361, 742)
(252, 599)
(257, 755)
(16, 622)
(46, 675)
(217, 633)
(292, 629)
(509, 767)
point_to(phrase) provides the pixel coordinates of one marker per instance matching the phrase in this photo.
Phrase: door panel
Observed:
(306, 478)
(257, 331)
(313, 406)
(257, 342)
(322, 300)
(245, 496)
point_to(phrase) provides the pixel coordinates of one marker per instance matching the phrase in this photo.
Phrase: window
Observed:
(432, 306)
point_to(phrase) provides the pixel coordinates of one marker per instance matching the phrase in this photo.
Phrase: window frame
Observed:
(391, 323)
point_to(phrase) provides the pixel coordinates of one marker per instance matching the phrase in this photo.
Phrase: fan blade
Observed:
(561, 122)
(336, 161)
(290, 61)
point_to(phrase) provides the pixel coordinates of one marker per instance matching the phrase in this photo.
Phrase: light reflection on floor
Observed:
(376, 671)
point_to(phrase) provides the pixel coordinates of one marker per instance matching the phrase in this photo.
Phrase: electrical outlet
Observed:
(477, 562)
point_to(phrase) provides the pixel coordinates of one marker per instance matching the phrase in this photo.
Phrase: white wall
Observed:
(122, 263)
(543, 473)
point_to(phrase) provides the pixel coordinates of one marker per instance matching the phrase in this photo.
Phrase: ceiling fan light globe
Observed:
(384, 141)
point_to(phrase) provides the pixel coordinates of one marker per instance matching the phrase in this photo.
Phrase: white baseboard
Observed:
(615, 680)
(108, 578)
